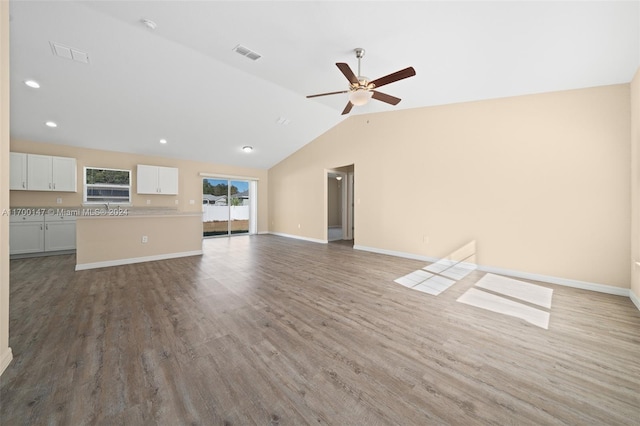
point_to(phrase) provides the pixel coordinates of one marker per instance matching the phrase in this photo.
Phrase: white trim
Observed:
(396, 253)
(253, 207)
(118, 262)
(218, 175)
(635, 299)
(584, 285)
(298, 237)
(5, 360)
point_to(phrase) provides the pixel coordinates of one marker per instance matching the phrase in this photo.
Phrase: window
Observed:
(107, 186)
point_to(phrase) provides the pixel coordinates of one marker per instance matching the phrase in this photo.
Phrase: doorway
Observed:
(227, 207)
(339, 204)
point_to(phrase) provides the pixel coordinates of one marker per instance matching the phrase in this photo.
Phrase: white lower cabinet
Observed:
(26, 234)
(41, 233)
(59, 233)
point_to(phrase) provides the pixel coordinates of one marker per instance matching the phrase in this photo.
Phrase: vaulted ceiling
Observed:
(183, 82)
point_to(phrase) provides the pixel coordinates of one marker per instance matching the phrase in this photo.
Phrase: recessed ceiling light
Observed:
(51, 124)
(163, 141)
(149, 24)
(32, 83)
(247, 148)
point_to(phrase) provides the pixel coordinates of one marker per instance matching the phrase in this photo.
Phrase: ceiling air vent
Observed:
(69, 52)
(247, 52)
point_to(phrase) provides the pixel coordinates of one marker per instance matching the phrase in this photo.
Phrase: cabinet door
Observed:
(168, 180)
(39, 173)
(64, 174)
(18, 171)
(147, 179)
(60, 235)
(26, 237)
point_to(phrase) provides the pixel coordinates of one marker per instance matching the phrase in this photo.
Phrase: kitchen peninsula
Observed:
(120, 236)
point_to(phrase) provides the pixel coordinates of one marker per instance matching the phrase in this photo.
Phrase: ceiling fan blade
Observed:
(385, 98)
(398, 75)
(329, 93)
(347, 109)
(346, 70)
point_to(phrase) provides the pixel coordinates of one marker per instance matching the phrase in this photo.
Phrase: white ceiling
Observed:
(184, 83)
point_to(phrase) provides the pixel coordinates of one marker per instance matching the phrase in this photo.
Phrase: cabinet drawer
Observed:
(26, 218)
(56, 218)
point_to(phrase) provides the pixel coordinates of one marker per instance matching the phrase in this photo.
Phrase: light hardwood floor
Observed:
(273, 331)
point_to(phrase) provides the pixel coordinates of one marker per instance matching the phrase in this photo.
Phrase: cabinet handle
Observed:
(41, 227)
(49, 185)
(24, 184)
(46, 227)
(54, 185)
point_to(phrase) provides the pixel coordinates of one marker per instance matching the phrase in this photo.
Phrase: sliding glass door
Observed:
(226, 207)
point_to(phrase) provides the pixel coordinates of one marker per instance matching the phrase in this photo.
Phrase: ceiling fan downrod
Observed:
(359, 54)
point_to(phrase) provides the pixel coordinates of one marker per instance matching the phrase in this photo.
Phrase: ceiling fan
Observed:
(361, 89)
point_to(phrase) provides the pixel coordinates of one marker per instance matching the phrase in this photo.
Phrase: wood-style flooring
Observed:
(273, 331)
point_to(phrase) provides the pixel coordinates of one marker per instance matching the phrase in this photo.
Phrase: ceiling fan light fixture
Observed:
(360, 97)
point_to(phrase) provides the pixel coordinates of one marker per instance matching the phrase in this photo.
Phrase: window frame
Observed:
(86, 186)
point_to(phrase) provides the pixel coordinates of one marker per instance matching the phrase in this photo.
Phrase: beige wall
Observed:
(635, 186)
(5, 350)
(540, 182)
(190, 182)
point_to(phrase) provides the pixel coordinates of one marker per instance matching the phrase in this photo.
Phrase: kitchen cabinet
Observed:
(49, 173)
(41, 233)
(59, 233)
(157, 180)
(18, 171)
(26, 234)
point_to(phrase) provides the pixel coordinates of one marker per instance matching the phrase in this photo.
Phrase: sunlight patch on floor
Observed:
(438, 276)
(496, 293)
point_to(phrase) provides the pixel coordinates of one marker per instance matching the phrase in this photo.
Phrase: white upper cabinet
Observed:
(64, 174)
(18, 171)
(47, 173)
(157, 180)
(39, 173)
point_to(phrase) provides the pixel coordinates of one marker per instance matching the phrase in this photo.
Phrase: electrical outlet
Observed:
(176, 201)
(59, 200)
(298, 226)
(148, 201)
(192, 201)
(145, 239)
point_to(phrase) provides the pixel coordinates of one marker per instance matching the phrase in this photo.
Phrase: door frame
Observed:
(253, 203)
(348, 205)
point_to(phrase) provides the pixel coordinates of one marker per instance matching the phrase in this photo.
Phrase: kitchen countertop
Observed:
(101, 212)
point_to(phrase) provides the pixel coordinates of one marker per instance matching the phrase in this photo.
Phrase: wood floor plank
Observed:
(267, 330)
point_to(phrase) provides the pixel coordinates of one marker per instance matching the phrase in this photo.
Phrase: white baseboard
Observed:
(584, 285)
(5, 360)
(635, 299)
(298, 237)
(118, 262)
(601, 288)
(396, 253)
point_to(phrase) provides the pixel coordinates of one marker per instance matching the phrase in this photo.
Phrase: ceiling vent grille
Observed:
(69, 52)
(244, 51)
